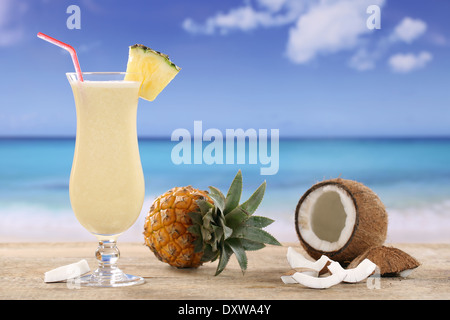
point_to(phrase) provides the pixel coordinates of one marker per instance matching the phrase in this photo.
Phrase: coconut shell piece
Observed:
(391, 261)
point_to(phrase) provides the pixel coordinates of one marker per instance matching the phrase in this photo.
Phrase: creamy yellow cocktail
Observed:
(107, 182)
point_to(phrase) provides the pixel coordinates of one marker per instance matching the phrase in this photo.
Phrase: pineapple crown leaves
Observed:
(227, 227)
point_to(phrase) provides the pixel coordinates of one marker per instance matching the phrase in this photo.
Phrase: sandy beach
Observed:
(23, 266)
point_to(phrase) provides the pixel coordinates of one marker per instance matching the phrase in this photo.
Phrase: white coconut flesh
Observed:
(306, 272)
(326, 218)
(67, 272)
(297, 260)
(319, 283)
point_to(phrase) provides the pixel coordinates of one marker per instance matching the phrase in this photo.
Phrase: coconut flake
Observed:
(297, 260)
(321, 282)
(361, 272)
(67, 272)
(288, 279)
(405, 273)
(306, 272)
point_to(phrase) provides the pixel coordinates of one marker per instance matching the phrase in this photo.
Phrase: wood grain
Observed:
(23, 266)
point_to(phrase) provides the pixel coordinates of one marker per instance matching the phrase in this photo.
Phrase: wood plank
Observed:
(23, 266)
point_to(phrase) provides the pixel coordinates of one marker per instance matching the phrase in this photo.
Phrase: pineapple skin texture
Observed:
(166, 227)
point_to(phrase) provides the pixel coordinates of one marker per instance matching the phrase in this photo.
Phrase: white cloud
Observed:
(88, 47)
(272, 5)
(246, 18)
(409, 30)
(438, 39)
(11, 29)
(404, 63)
(362, 60)
(323, 27)
(243, 18)
(319, 26)
(328, 27)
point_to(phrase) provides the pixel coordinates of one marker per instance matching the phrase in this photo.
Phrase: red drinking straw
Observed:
(67, 47)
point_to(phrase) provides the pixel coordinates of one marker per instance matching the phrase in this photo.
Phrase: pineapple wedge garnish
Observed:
(154, 67)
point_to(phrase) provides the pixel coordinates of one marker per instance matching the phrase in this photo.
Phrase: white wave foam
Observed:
(22, 223)
(429, 223)
(425, 224)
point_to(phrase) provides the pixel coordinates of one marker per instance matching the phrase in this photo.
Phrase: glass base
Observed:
(108, 274)
(117, 278)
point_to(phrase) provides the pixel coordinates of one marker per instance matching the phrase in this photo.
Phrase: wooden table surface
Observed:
(23, 266)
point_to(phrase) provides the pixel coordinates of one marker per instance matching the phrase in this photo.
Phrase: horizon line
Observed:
(168, 138)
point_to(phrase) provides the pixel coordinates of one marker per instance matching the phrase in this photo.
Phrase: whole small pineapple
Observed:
(186, 226)
(166, 226)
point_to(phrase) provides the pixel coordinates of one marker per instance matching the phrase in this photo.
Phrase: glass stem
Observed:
(107, 255)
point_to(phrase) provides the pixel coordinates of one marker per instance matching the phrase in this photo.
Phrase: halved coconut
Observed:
(341, 219)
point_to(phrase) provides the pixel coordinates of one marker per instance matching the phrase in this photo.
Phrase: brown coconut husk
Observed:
(370, 226)
(391, 261)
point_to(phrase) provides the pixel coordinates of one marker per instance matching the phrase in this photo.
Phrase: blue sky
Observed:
(309, 68)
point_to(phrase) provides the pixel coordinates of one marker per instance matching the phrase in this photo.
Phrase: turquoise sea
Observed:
(411, 176)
